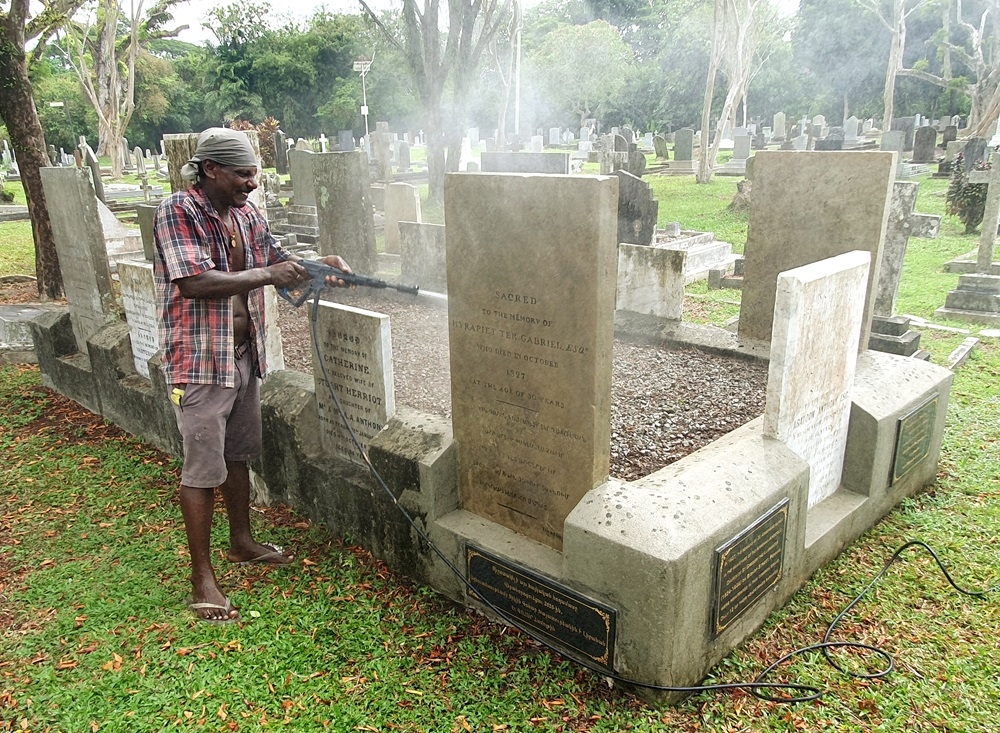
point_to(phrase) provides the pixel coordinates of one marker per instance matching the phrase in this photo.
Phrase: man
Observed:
(213, 255)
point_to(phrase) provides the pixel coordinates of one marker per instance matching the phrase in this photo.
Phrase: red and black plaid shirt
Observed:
(197, 333)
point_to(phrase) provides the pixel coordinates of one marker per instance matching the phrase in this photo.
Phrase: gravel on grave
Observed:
(665, 403)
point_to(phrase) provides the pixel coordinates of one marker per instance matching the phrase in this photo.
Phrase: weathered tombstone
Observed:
(683, 149)
(554, 139)
(902, 224)
(794, 222)
(342, 192)
(651, 280)
(83, 256)
(345, 140)
(851, 128)
(530, 364)
(94, 167)
(906, 125)
(383, 155)
(636, 164)
(355, 353)
(660, 147)
(637, 209)
(422, 256)
(629, 134)
(736, 166)
(950, 134)
(145, 214)
(280, 153)
(404, 157)
(300, 165)
(178, 150)
(974, 152)
(818, 317)
(304, 145)
(139, 303)
(537, 144)
(402, 203)
(924, 144)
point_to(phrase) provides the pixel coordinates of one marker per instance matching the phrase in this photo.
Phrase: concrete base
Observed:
(893, 335)
(966, 265)
(975, 300)
(669, 529)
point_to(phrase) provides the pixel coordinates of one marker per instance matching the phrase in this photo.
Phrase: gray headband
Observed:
(224, 146)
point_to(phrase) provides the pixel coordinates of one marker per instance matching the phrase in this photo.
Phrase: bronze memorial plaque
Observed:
(570, 620)
(913, 439)
(748, 566)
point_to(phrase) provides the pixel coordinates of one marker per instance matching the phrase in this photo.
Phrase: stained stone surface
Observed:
(422, 256)
(903, 223)
(83, 258)
(356, 350)
(807, 208)
(344, 208)
(817, 325)
(402, 203)
(531, 299)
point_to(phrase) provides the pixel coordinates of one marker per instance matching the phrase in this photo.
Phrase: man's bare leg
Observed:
(242, 546)
(197, 506)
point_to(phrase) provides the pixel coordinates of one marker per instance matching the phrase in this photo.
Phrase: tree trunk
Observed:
(704, 168)
(895, 61)
(17, 109)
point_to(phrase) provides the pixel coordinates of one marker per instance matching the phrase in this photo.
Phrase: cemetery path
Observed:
(665, 403)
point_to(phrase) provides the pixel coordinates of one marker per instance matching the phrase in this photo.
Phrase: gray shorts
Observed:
(219, 424)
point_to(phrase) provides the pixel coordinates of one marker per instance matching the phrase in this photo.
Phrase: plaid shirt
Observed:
(197, 334)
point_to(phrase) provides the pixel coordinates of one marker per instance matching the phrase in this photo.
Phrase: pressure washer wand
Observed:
(318, 273)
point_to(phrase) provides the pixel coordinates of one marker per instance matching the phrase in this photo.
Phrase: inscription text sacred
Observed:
(913, 441)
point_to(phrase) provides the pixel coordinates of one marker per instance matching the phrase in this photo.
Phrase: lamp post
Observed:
(362, 65)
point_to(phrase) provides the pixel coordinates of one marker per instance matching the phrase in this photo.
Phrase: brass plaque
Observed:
(570, 620)
(748, 566)
(913, 438)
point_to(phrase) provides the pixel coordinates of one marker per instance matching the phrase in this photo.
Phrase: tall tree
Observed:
(893, 16)
(17, 109)
(105, 63)
(435, 57)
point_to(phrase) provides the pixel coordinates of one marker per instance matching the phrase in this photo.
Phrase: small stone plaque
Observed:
(571, 620)
(748, 566)
(913, 439)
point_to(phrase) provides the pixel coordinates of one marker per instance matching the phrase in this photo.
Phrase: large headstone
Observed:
(818, 313)
(178, 149)
(300, 165)
(684, 145)
(422, 256)
(280, 153)
(355, 353)
(343, 198)
(83, 255)
(345, 140)
(974, 152)
(808, 208)
(530, 362)
(924, 144)
(778, 128)
(504, 162)
(402, 203)
(907, 126)
(637, 209)
(660, 147)
(139, 302)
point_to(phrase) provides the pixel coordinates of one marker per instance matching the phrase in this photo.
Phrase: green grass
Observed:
(17, 248)
(94, 634)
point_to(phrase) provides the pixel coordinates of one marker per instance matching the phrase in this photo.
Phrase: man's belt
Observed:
(240, 350)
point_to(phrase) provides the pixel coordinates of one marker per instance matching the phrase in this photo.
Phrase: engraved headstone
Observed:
(806, 209)
(139, 302)
(660, 148)
(684, 144)
(924, 144)
(355, 353)
(818, 315)
(402, 203)
(531, 364)
(83, 256)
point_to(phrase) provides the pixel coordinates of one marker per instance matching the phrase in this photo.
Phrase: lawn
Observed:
(94, 635)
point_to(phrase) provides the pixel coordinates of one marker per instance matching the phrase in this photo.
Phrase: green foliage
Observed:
(966, 200)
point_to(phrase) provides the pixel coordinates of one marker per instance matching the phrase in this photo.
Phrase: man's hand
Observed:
(287, 274)
(338, 262)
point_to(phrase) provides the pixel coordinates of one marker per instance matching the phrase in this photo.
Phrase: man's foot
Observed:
(214, 613)
(260, 554)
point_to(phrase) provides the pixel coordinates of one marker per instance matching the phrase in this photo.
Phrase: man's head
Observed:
(225, 164)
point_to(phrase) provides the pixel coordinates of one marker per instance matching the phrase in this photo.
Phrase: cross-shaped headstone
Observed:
(991, 216)
(903, 223)
(322, 142)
